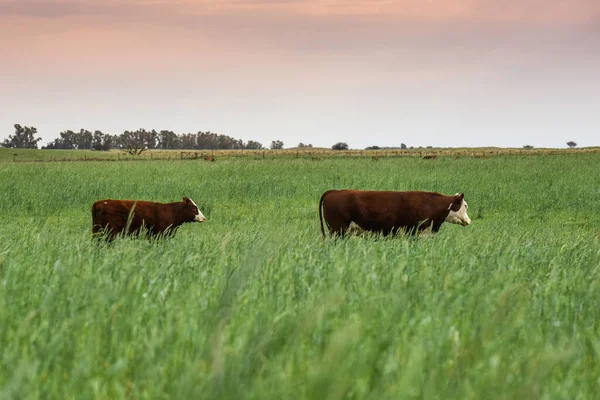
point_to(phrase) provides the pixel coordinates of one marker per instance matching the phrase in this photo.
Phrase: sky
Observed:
(445, 73)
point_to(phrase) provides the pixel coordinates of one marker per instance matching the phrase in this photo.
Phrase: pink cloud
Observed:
(530, 11)
(84, 61)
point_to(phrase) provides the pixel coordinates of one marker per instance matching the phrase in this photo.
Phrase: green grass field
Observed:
(254, 304)
(35, 155)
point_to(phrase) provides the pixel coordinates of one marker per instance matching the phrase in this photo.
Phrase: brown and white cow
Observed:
(129, 216)
(389, 212)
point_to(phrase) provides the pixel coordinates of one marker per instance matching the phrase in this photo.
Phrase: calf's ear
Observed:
(186, 200)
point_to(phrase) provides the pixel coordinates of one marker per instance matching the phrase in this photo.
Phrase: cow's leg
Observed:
(100, 232)
(337, 226)
(96, 233)
(338, 229)
(436, 226)
(110, 232)
(337, 222)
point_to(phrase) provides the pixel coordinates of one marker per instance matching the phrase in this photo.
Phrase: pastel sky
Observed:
(367, 72)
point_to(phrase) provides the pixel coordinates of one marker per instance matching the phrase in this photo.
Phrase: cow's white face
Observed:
(459, 217)
(199, 217)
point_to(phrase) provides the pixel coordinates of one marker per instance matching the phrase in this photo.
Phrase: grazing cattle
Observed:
(389, 212)
(129, 216)
(430, 157)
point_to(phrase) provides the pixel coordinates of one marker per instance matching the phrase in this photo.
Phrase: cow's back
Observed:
(382, 211)
(387, 210)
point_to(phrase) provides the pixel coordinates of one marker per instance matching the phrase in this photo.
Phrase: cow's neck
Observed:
(177, 213)
(445, 210)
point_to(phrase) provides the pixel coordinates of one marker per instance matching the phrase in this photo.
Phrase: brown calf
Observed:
(129, 216)
(389, 212)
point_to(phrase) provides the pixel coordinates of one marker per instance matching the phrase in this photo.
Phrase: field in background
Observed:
(34, 155)
(254, 304)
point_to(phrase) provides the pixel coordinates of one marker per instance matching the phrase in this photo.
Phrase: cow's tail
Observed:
(94, 210)
(321, 211)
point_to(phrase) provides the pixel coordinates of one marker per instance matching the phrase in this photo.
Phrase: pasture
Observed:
(254, 304)
(318, 153)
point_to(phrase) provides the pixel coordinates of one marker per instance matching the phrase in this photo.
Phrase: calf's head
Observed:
(191, 211)
(458, 211)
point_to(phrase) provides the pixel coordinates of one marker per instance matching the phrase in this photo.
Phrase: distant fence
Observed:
(10, 155)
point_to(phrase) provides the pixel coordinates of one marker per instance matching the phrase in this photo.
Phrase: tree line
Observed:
(133, 142)
(136, 142)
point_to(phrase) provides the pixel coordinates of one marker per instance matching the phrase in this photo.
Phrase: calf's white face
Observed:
(199, 217)
(459, 217)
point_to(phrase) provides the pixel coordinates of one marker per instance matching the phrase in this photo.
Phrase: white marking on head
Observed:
(199, 217)
(459, 217)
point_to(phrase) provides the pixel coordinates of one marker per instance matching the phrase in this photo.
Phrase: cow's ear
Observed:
(186, 200)
(462, 196)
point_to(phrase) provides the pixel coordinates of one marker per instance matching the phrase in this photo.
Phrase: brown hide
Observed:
(385, 212)
(157, 218)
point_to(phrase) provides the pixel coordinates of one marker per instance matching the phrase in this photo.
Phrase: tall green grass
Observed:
(254, 304)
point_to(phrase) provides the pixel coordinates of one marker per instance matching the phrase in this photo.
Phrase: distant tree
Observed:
(115, 141)
(276, 145)
(372, 148)
(102, 142)
(84, 140)
(134, 142)
(430, 147)
(571, 144)
(209, 141)
(402, 146)
(23, 138)
(97, 141)
(66, 141)
(252, 145)
(228, 143)
(340, 146)
(205, 141)
(51, 145)
(303, 146)
(528, 146)
(168, 140)
(108, 141)
(188, 141)
(151, 139)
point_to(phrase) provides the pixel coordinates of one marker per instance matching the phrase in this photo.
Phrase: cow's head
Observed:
(458, 211)
(191, 211)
